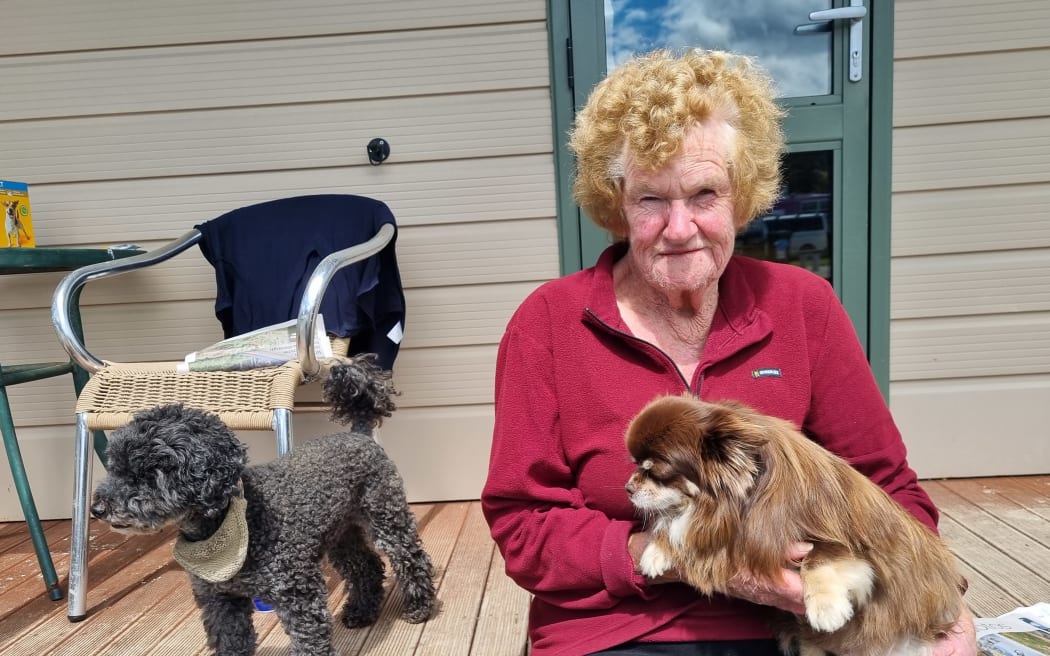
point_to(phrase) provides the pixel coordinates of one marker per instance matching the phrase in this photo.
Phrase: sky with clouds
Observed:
(763, 29)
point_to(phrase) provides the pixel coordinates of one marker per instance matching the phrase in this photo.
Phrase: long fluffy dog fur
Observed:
(338, 496)
(726, 489)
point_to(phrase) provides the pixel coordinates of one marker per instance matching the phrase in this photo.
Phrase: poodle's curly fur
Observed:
(339, 496)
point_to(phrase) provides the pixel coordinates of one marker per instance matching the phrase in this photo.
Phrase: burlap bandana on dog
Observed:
(219, 557)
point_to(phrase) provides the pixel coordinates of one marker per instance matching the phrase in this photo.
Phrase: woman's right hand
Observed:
(636, 544)
(785, 594)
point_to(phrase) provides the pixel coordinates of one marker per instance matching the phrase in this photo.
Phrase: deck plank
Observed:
(140, 600)
(503, 622)
(1012, 566)
(439, 529)
(461, 590)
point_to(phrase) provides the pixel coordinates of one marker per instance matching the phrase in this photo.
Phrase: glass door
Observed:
(817, 53)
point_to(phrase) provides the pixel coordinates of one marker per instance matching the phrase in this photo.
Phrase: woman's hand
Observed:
(960, 640)
(636, 544)
(785, 594)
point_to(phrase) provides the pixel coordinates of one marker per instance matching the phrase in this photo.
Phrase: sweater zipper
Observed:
(639, 340)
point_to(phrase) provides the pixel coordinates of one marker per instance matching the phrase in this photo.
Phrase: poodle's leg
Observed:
(394, 531)
(352, 556)
(227, 621)
(303, 611)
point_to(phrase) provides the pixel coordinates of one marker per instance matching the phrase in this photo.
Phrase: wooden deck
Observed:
(140, 604)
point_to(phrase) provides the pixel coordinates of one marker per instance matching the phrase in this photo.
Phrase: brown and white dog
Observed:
(725, 489)
(13, 226)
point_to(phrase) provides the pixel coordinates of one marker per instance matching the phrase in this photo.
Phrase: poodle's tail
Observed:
(360, 392)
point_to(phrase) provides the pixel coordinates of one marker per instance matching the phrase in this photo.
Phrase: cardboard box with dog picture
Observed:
(18, 219)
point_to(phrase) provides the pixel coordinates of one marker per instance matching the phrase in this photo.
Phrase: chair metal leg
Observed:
(78, 574)
(282, 425)
(80, 378)
(25, 497)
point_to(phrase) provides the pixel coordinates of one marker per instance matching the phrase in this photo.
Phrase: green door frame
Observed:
(577, 48)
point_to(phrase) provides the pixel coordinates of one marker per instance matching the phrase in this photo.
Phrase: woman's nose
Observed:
(679, 220)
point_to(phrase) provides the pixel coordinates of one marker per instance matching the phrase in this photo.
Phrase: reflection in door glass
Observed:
(764, 29)
(798, 229)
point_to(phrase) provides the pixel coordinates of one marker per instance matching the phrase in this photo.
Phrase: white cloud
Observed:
(763, 29)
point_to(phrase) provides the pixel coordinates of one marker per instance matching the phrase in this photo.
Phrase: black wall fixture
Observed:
(378, 150)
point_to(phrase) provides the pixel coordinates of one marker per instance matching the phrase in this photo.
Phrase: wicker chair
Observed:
(254, 399)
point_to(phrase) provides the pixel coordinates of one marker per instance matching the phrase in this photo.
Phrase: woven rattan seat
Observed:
(244, 400)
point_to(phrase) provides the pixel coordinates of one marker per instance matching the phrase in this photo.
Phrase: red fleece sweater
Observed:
(570, 376)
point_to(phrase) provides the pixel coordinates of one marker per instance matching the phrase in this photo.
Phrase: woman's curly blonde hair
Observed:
(641, 110)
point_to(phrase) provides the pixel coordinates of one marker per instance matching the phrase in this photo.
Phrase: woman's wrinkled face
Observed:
(680, 217)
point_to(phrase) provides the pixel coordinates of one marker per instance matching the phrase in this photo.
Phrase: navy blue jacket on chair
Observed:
(264, 254)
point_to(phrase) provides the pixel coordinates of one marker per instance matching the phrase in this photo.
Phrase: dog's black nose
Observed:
(99, 509)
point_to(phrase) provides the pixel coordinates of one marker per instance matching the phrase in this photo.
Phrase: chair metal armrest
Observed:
(318, 283)
(66, 300)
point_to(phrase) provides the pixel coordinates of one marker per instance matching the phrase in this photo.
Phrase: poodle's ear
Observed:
(221, 473)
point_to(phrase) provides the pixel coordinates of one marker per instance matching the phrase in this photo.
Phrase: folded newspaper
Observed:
(1021, 632)
(270, 346)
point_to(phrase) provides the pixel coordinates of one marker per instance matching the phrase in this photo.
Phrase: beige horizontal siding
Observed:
(970, 87)
(424, 193)
(441, 449)
(93, 25)
(281, 137)
(973, 426)
(461, 375)
(971, 220)
(970, 346)
(134, 123)
(924, 28)
(510, 251)
(431, 256)
(441, 453)
(448, 316)
(971, 154)
(321, 69)
(971, 284)
(468, 280)
(426, 377)
(446, 376)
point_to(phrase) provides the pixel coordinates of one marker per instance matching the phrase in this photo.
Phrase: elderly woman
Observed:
(675, 155)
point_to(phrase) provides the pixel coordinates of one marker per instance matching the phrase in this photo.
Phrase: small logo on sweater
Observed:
(768, 372)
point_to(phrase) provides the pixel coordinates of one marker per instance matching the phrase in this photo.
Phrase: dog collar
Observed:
(219, 557)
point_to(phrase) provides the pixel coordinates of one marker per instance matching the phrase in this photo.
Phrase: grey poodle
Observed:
(338, 496)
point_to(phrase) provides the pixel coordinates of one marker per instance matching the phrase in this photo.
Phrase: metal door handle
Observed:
(841, 13)
(855, 14)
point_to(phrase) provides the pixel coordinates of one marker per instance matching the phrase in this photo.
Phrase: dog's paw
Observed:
(832, 588)
(653, 561)
(420, 612)
(358, 613)
(827, 611)
(357, 621)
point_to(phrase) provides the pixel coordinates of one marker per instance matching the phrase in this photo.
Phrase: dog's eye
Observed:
(656, 471)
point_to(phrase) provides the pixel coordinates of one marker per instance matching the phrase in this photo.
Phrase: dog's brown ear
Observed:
(731, 444)
(665, 422)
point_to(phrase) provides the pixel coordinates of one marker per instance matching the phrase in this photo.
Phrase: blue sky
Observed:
(763, 29)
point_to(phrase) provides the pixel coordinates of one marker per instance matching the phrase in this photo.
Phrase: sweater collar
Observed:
(738, 321)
